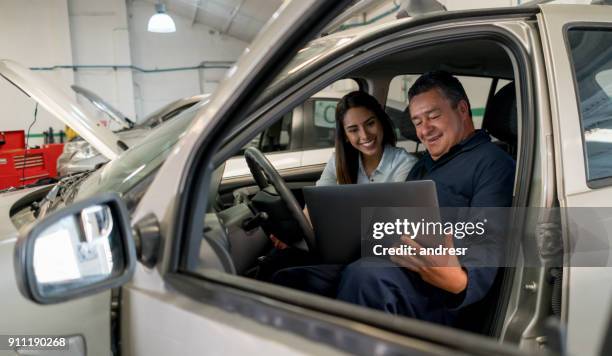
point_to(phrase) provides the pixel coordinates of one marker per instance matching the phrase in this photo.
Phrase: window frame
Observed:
(524, 79)
(597, 183)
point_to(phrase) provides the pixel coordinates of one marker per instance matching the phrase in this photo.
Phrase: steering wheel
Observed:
(265, 175)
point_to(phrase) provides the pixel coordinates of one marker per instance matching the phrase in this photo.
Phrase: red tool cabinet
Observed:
(19, 166)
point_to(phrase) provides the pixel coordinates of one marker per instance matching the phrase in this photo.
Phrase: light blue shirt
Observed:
(394, 166)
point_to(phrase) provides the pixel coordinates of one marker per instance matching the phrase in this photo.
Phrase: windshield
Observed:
(162, 115)
(312, 52)
(131, 167)
(123, 173)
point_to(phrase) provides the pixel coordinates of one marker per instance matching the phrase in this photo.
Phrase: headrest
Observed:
(500, 115)
(403, 123)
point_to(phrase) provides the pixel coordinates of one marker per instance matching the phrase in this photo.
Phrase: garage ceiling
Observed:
(241, 19)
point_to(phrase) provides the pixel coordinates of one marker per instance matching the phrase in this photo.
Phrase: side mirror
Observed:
(76, 251)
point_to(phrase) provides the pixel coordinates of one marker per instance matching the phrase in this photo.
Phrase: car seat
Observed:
(500, 119)
(406, 128)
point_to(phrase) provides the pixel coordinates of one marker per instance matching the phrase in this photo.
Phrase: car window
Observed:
(317, 110)
(276, 138)
(127, 170)
(324, 122)
(604, 79)
(325, 112)
(320, 114)
(592, 66)
(312, 52)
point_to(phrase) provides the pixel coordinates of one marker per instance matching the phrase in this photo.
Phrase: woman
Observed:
(365, 145)
(365, 153)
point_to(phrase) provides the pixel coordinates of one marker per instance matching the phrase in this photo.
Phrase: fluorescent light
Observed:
(161, 22)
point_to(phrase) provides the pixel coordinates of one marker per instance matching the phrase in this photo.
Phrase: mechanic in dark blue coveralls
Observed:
(469, 171)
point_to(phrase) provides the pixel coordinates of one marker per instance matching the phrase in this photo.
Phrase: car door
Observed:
(578, 54)
(155, 318)
(167, 310)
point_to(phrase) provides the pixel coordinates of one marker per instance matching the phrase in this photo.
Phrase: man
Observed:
(469, 171)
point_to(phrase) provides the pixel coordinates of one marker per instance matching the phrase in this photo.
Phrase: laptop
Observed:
(336, 212)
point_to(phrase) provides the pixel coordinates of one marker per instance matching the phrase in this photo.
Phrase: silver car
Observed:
(80, 156)
(177, 258)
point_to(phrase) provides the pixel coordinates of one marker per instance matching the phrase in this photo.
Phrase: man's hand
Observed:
(442, 271)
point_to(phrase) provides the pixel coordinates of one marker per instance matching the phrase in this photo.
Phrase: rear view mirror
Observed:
(80, 250)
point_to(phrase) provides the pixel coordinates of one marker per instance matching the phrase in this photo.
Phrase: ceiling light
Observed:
(161, 22)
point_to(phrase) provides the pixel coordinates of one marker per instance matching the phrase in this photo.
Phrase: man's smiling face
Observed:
(438, 125)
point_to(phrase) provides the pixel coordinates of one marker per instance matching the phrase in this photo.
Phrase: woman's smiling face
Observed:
(364, 131)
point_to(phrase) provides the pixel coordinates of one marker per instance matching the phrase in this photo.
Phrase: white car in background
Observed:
(80, 156)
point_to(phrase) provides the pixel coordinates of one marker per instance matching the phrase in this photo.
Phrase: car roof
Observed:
(322, 49)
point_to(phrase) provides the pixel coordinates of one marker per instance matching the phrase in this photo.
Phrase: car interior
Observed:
(236, 239)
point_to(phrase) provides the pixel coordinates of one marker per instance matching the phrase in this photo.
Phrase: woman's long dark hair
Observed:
(347, 156)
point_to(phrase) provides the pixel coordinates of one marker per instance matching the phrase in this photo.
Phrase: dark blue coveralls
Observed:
(474, 173)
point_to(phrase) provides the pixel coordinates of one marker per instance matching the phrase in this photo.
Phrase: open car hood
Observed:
(114, 114)
(63, 107)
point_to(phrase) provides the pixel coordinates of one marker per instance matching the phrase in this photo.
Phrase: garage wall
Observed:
(81, 33)
(175, 55)
(99, 36)
(35, 33)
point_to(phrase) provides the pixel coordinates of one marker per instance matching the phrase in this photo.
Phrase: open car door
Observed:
(578, 52)
(169, 310)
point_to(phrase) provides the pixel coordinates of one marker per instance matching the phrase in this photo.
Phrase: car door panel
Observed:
(587, 292)
(186, 326)
(22, 317)
(170, 310)
(156, 320)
